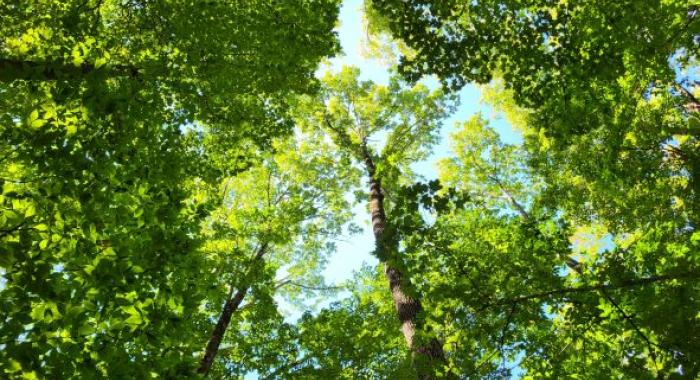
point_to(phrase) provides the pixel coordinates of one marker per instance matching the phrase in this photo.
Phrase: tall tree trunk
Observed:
(217, 335)
(426, 355)
(230, 307)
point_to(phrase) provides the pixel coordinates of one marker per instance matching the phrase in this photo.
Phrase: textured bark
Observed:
(12, 69)
(217, 335)
(230, 307)
(425, 355)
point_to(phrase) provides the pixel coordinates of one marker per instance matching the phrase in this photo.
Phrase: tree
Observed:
(353, 112)
(172, 175)
(541, 48)
(510, 286)
(279, 216)
(355, 337)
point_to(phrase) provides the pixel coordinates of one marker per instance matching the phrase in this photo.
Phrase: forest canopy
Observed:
(176, 176)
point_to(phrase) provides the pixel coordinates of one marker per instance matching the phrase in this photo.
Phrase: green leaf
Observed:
(34, 121)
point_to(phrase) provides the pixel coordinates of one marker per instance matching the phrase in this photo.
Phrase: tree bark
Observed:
(426, 355)
(217, 335)
(230, 307)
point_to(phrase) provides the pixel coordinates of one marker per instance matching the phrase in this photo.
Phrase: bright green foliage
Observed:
(95, 241)
(111, 115)
(490, 267)
(150, 150)
(354, 113)
(365, 342)
(291, 206)
(398, 123)
(355, 337)
(641, 191)
(219, 48)
(605, 95)
(395, 125)
(633, 298)
(609, 85)
(542, 47)
(474, 259)
(490, 171)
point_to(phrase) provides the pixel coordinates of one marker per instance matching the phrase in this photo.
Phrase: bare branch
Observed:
(13, 69)
(317, 288)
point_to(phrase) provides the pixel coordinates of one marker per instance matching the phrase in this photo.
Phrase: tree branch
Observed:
(14, 69)
(342, 135)
(634, 326)
(589, 288)
(11, 230)
(318, 288)
(286, 368)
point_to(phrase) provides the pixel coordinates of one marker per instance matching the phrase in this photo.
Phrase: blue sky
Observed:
(351, 254)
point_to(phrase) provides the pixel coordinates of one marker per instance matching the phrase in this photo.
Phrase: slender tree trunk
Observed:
(217, 335)
(230, 307)
(425, 354)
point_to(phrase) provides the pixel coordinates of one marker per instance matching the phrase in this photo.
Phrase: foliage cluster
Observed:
(173, 175)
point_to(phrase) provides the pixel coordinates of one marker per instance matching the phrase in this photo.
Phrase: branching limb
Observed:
(557, 293)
